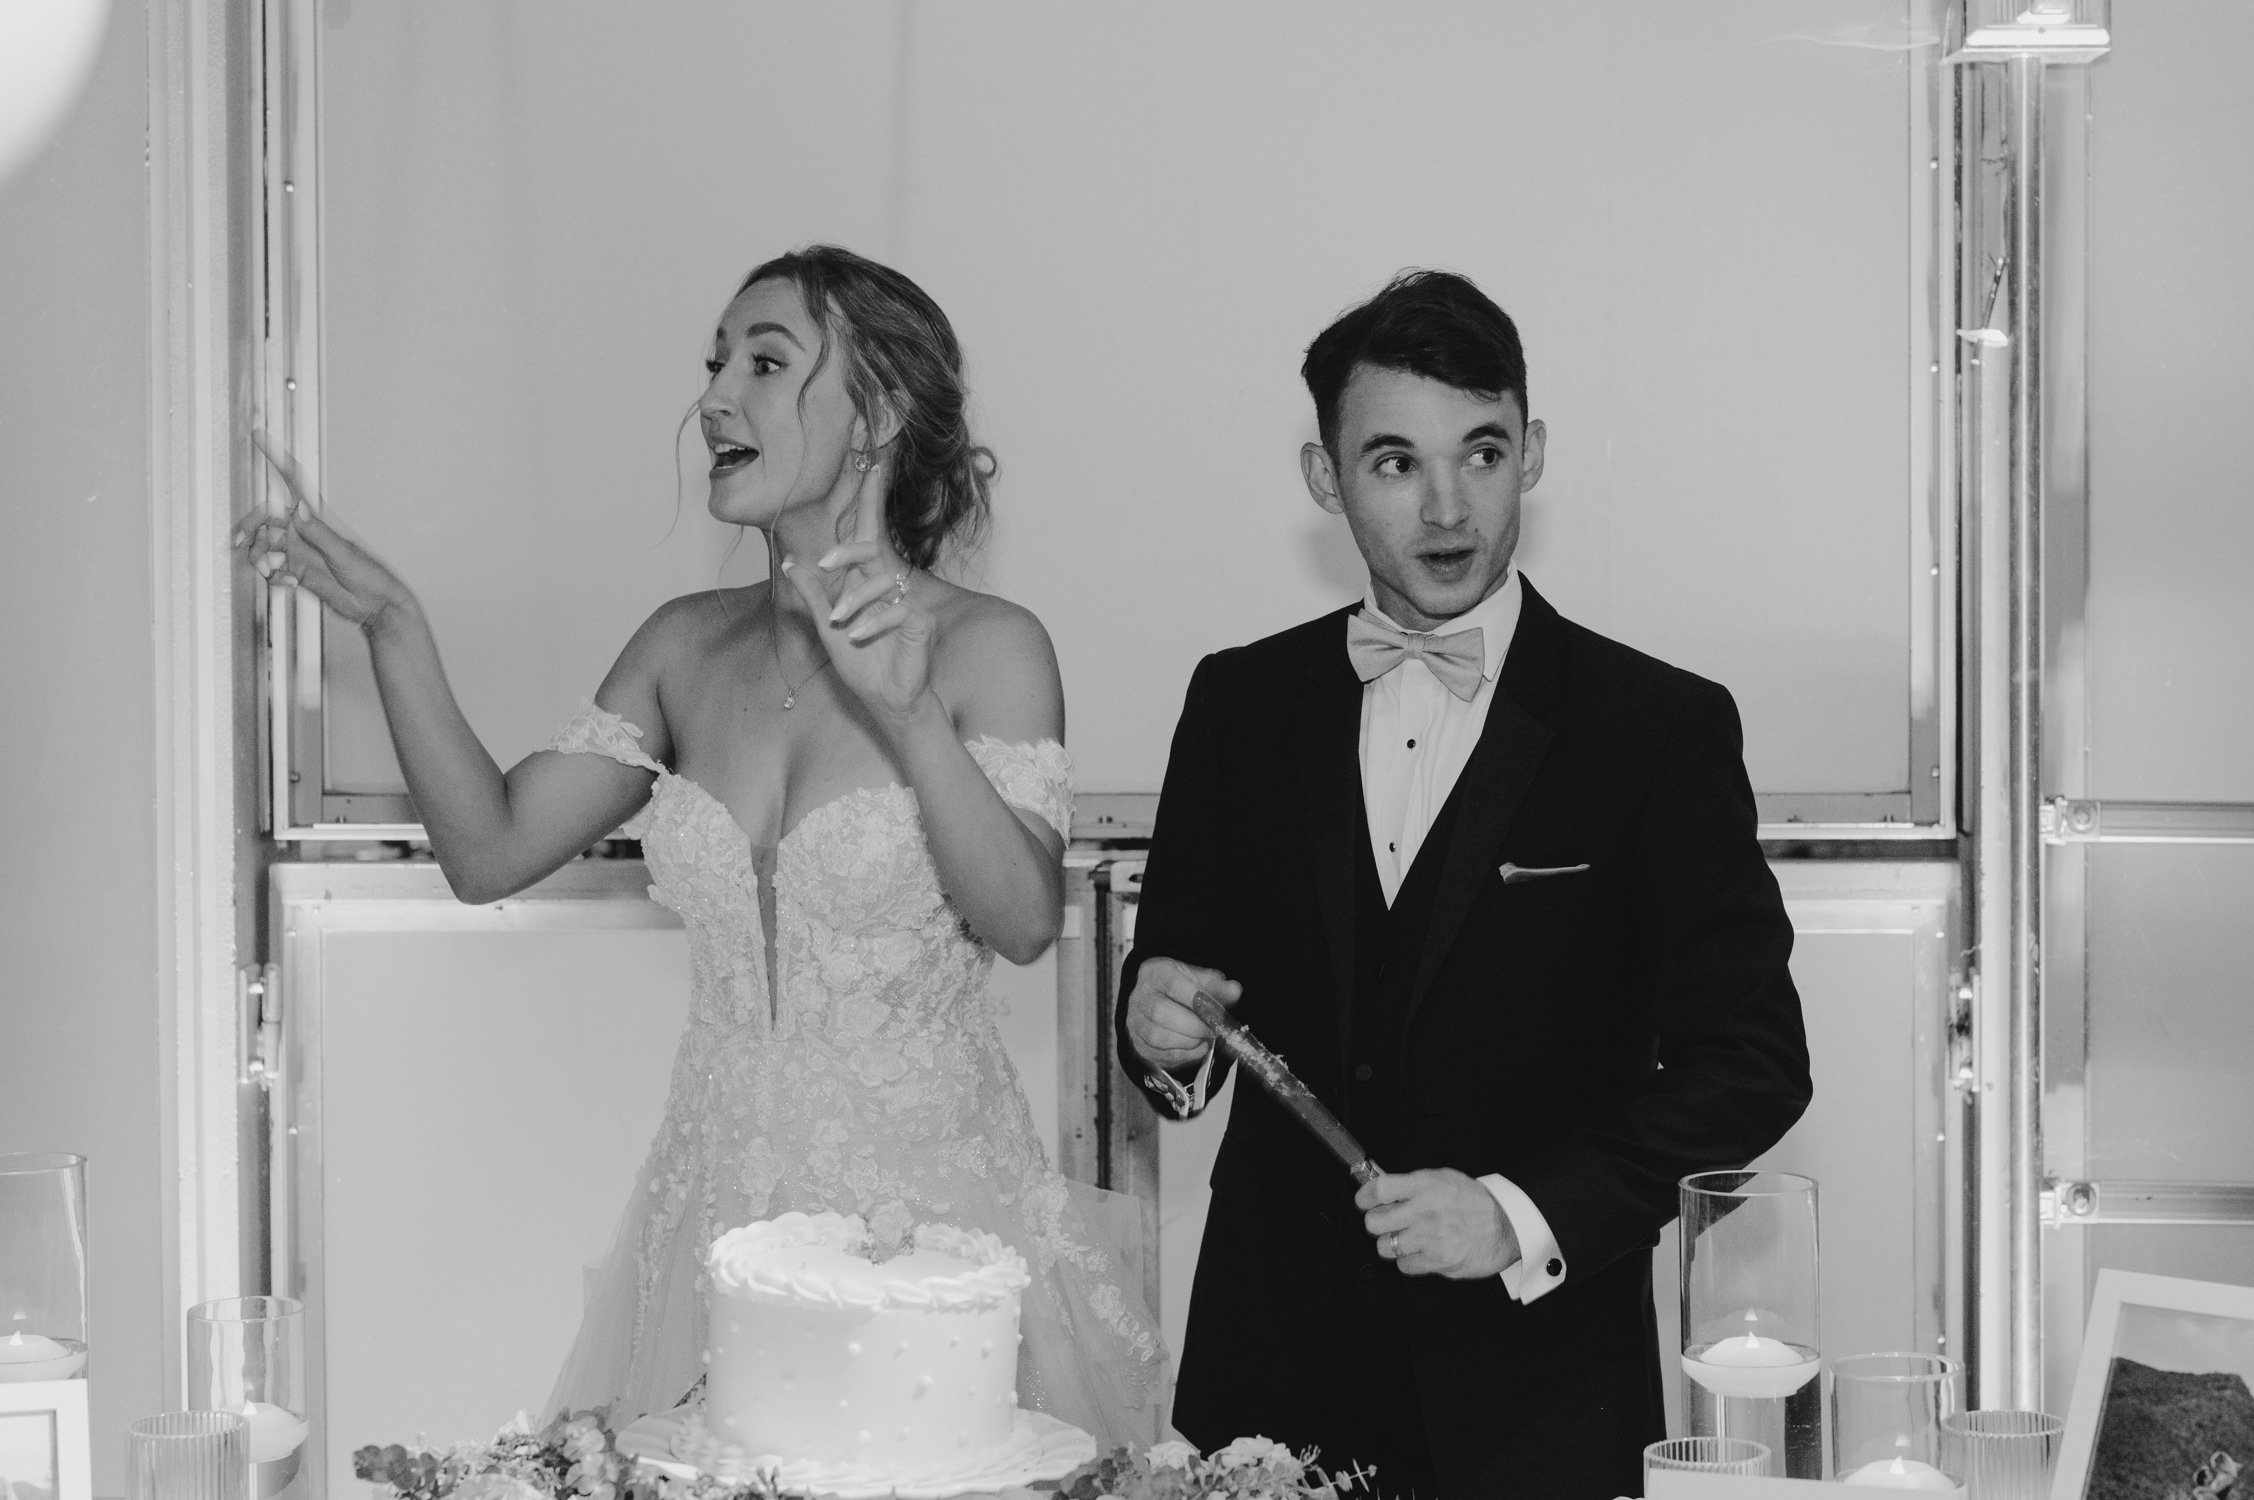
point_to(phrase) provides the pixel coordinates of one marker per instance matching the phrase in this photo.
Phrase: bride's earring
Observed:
(863, 463)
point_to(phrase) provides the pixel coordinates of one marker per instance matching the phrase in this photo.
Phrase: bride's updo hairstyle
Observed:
(900, 351)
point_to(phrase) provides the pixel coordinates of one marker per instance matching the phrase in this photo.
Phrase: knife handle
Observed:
(1216, 1015)
(1279, 1080)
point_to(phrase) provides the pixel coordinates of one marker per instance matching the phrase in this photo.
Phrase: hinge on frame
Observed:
(2069, 820)
(2066, 1202)
(258, 1012)
(1963, 1075)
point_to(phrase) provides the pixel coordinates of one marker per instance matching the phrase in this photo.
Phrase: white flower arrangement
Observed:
(577, 1458)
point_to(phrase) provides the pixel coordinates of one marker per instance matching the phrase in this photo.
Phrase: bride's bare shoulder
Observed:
(985, 629)
(696, 623)
(996, 656)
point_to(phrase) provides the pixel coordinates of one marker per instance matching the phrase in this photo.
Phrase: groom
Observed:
(1489, 881)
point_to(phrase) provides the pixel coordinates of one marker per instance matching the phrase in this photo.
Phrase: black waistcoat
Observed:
(1388, 942)
(1372, 1410)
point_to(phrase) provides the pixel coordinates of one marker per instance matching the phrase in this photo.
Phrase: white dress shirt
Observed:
(1416, 738)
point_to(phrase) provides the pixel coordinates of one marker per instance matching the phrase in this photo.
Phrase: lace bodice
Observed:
(872, 1079)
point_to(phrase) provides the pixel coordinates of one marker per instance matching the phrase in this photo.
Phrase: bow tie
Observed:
(1458, 659)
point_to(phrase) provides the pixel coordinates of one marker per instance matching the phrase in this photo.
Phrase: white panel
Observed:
(89, 1049)
(1137, 217)
(1858, 994)
(2169, 1028)
(487, 1098)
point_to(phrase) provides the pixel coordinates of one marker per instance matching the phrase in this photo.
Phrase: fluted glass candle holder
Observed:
(246, 1356)
(1886, 1415)
(42, 1266)
(185, 1455)
(1705, 1455)
(2002, 1455)
(1749, 1307)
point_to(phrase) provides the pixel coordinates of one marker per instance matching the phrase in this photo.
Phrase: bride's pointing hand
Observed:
(299, 547)
(876, 626)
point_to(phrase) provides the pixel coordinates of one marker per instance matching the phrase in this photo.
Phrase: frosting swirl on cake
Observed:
(824, 1259)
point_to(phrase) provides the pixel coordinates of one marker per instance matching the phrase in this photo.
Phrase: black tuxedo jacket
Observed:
(1594, 1036)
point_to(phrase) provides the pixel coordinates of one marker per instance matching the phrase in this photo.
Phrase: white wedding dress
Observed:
(867, 1078)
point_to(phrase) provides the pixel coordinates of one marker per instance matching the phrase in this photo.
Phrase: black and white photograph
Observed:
(43, 1441)
(2170, 1412)
(27, 1456)
(1303, 748)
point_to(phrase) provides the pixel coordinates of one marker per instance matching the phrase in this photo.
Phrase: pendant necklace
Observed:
(775, 644)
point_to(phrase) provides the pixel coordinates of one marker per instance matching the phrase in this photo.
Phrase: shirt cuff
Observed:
(1187, 1099)
(1540, 1267)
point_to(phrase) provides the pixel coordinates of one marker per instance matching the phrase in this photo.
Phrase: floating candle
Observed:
(21, 1348)
(274, 1431)
(1752, 1351)
(1903, 1474)
(1754, 1366)
(34, 1356)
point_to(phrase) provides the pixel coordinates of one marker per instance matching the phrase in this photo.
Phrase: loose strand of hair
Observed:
(680, 476)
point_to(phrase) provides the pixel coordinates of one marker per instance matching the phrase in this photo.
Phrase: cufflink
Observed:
(1553, 1268)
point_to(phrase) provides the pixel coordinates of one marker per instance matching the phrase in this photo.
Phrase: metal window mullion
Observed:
(2024, 276)
(2002, 484)
(289, 394)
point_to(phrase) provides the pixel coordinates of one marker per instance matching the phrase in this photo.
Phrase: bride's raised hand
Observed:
(299, 547)
(876, 624)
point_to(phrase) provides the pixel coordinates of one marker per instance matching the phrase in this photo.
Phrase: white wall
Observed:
(78, 918)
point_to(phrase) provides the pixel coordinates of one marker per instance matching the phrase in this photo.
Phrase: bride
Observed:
(850, 784)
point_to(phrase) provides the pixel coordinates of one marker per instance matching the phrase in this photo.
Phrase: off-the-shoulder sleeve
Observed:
(597, 731)
(1036, 777)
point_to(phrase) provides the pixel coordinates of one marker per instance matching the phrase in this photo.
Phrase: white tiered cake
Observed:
(833, 1372)
(817, 1352)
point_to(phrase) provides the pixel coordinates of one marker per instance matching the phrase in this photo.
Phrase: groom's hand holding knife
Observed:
(1161, 1019)
(1437, 1222)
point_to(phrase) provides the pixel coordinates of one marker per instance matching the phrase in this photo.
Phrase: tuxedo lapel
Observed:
(1326, 742)
(1494, 782)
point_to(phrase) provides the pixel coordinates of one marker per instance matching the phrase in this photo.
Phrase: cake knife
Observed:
(1298, 1100)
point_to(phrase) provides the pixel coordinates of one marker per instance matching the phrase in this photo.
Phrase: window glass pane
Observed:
(2171, 359)
(1137, 217)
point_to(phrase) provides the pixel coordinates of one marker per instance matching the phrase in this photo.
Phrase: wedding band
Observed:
(899, 588)
(1395, 1252)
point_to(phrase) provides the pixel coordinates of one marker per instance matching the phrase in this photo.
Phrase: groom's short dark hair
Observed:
(1430, 323)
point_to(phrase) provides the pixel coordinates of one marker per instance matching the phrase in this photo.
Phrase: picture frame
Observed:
(44, 1444)
(2164, 1393)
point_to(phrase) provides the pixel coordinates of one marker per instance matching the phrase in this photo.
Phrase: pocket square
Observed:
(1518, 874)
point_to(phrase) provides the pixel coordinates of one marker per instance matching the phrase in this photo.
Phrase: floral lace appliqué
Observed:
(1036, 777)
(597, 731)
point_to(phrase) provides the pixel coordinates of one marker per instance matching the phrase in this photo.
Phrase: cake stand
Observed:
(1039, 1447)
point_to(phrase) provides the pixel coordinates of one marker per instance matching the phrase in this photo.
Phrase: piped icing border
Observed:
(741, 1262)
(1038, 1447)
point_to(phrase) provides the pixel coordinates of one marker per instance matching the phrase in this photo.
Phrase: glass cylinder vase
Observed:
(1749, 1308)
(1886, 1416)
(42, 1266)
(246, 1356)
